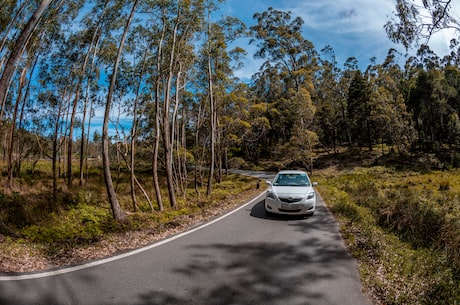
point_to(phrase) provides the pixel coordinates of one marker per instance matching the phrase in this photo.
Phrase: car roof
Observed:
(292, 172)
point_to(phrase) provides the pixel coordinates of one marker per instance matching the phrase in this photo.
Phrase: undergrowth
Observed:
(404, 227)
(82, 216)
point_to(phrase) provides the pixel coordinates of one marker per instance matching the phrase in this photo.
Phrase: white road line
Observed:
(20, 277)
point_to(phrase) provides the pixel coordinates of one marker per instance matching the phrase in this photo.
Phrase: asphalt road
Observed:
(243, 258)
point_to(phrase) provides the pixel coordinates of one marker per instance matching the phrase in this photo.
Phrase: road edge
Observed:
(98, 262)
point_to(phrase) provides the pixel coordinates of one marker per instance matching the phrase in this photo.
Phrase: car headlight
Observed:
(311, 195)
(270, 195)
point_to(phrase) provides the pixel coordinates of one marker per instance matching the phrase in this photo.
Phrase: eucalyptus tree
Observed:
(350, 68)
(54, 99)
(139, 45)
(98, 47)
(416, 23)
(84, 44)
(429, 103)
(236, 122)
(23, 86)
(217, 62)
(285, 80)
(175, 26)
(43, 28)
(328, 100)
(23, 38)
(359, 110)
(13, 16)
(117, 211)
(18, 48)
(390, 118)
(10, 13)
(452, 79)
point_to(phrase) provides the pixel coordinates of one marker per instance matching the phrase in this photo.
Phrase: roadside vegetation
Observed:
(39, 231)
(403, 225)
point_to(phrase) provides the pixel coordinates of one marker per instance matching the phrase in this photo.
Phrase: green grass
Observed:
(404, 228)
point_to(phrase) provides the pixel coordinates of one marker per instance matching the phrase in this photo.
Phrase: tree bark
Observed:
(167, 146)
(19, 46)
(213, 126)
(156, 145)
(117, 211)
(13, 128)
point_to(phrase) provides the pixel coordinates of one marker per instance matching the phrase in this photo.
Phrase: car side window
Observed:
(278, 180)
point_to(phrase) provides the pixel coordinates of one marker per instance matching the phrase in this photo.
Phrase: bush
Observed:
(238, 163)
(82, 224)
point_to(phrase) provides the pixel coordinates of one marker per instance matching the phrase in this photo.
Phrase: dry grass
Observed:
(404, 228)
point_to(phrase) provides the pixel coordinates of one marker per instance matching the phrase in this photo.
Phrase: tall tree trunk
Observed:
(198, 159)
(13, 128)
(7, 34)
(95, 40)
(175, 133)
(167, 145)
(183, 156)
(134, 134)
(74, 113)
(213, 129)
(117, 211)
(156, 145)
(19, 45)
(21, 115)
(167, 150)
(56, 146)
(156, 148)
(85, 137)
(133, 152)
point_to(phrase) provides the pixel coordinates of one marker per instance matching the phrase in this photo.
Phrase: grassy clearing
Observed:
(404, 228)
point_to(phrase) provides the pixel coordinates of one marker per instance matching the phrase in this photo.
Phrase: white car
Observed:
(291, 193)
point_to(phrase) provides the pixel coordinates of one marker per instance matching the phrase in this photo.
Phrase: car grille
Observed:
(289, 211)
(290, 199)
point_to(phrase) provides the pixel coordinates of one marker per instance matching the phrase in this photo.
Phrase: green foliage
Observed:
(81, 224)
(404, 228)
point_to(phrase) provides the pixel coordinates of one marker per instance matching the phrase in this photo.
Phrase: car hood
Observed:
(291, 190)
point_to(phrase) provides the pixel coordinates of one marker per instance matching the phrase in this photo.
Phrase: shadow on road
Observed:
(306, 270)
(255, 273)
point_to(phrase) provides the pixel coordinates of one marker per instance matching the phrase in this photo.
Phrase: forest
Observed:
(162, 73)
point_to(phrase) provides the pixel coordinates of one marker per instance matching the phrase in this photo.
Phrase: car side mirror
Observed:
(314, 183)
(268, 182)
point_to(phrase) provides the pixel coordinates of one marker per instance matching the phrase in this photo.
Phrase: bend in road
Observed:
(243, 258)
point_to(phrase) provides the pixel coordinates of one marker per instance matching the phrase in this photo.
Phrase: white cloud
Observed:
(351, 27)
(344, 16)
(440, 42)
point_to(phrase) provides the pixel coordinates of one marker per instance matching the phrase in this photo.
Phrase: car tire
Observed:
(268, 213)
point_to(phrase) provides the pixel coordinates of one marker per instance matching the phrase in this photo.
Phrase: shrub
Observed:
(83, 223)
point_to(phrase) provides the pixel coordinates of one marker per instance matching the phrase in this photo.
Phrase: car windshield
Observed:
(291, 180)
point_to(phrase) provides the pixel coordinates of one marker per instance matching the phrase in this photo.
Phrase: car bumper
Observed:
(301, 208)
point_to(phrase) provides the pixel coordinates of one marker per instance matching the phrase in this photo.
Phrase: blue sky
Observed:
(351, 27)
